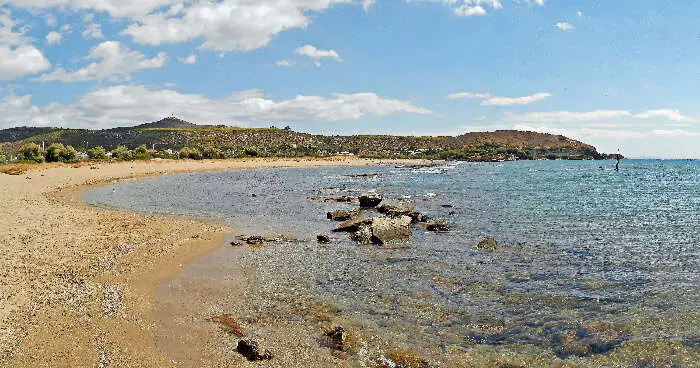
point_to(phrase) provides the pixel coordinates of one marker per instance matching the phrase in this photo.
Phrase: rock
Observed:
(250, 350)
(335, 338)
(363, 235)
(370, 200)
(341, 215)
(438, 225)
(352, 225)
(488, 243)
(398, 211)
(323, 238)
(387, 230)
(236, 243)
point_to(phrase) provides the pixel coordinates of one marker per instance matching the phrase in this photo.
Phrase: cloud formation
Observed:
(317, 55)
(114, 61)
(117, 105)
(18, 57)
(491, 100)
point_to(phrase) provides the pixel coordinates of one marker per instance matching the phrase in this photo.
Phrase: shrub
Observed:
(187, 152)
(97, 153)
(3, 160)
(211, 152)
(69, 154)
(53, 152)
(141, 153)
(122, 153)
(31, 152)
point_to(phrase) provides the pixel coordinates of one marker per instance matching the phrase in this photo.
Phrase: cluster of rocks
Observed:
(391, 227)
(259, 241)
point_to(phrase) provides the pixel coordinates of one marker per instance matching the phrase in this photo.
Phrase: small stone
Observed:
(335, 338)
(488, 243)
(250, 350)
(236, 243)
(341, 215)
(323, 238)
(439, 225)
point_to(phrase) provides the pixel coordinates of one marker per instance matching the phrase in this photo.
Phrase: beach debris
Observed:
(369, 200)
(251, 350)
(323, 238)
(229, 323)
(438, 226)
(252, 240)
(488, 244)
(342, 215)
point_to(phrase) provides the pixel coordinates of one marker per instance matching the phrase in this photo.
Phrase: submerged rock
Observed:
(336, 338)
(363, 235)
(488, 243)
(323, 238)
(370, 200)
(250, 350)
(438, 225)
(342, 215)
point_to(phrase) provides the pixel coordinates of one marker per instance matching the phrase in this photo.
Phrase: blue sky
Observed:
(614, 74)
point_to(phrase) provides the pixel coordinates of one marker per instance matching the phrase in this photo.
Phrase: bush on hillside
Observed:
(3, 160)
(97, 153)
(31, 152)
(211, 152)
(69, 154)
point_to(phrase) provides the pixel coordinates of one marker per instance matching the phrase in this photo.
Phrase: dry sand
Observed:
(77, 283)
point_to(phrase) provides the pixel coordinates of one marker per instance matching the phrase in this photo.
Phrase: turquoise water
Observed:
(582, 249)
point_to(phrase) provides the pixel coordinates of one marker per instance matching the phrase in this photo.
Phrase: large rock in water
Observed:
(387, 230)
(488, 244)
(342, 215)
(352, 225)
(369, 200)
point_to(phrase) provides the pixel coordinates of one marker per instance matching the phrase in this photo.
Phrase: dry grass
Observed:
(14, 169)
(229, 323)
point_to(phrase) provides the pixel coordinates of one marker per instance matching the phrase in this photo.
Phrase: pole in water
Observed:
(617, 165)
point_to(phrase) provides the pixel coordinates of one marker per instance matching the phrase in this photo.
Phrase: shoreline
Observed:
(79, 281)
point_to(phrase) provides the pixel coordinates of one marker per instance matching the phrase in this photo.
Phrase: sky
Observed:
(616, 74)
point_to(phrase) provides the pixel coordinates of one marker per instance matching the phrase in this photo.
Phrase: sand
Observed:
(78, 283)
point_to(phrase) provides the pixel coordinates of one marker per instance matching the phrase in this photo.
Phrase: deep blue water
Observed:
(580, 242)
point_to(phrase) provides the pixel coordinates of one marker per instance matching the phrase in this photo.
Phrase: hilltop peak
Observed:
(169, 122)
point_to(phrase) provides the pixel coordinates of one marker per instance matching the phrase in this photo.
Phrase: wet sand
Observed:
(78, 283)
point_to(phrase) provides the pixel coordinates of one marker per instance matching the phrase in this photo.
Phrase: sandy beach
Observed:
(78, 282)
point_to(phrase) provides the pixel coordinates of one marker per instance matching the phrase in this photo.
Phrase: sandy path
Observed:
(77, 283)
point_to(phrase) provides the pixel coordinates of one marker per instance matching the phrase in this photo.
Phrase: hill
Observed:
(174, 134)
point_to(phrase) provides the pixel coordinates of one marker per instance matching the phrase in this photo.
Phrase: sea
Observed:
(593, 265)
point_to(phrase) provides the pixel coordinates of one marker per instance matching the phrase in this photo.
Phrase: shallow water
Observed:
(610, 258)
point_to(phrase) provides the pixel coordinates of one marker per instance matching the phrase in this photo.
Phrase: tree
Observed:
(69, 154)
(97, 153)
(141, 153)
(121, 153)
(31, 152)
(53, 152)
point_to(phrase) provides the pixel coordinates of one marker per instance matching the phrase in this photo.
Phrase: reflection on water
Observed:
(590, 259)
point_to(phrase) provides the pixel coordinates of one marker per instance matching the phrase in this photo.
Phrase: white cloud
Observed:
(116, 8)
(509, 101)
(669, 114)
(579, 13)
(117, 105)
(286, 63)
(317, 55)
(468, 8)
(190, 59)
(468, 95)
(675, 133)
(50, 20)
(568, 116)
(53, 38)
(564, 26)
(115, 61)
(18, 57)
(491, 100)
(366, 4)
(228, 24)
(93, 30)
